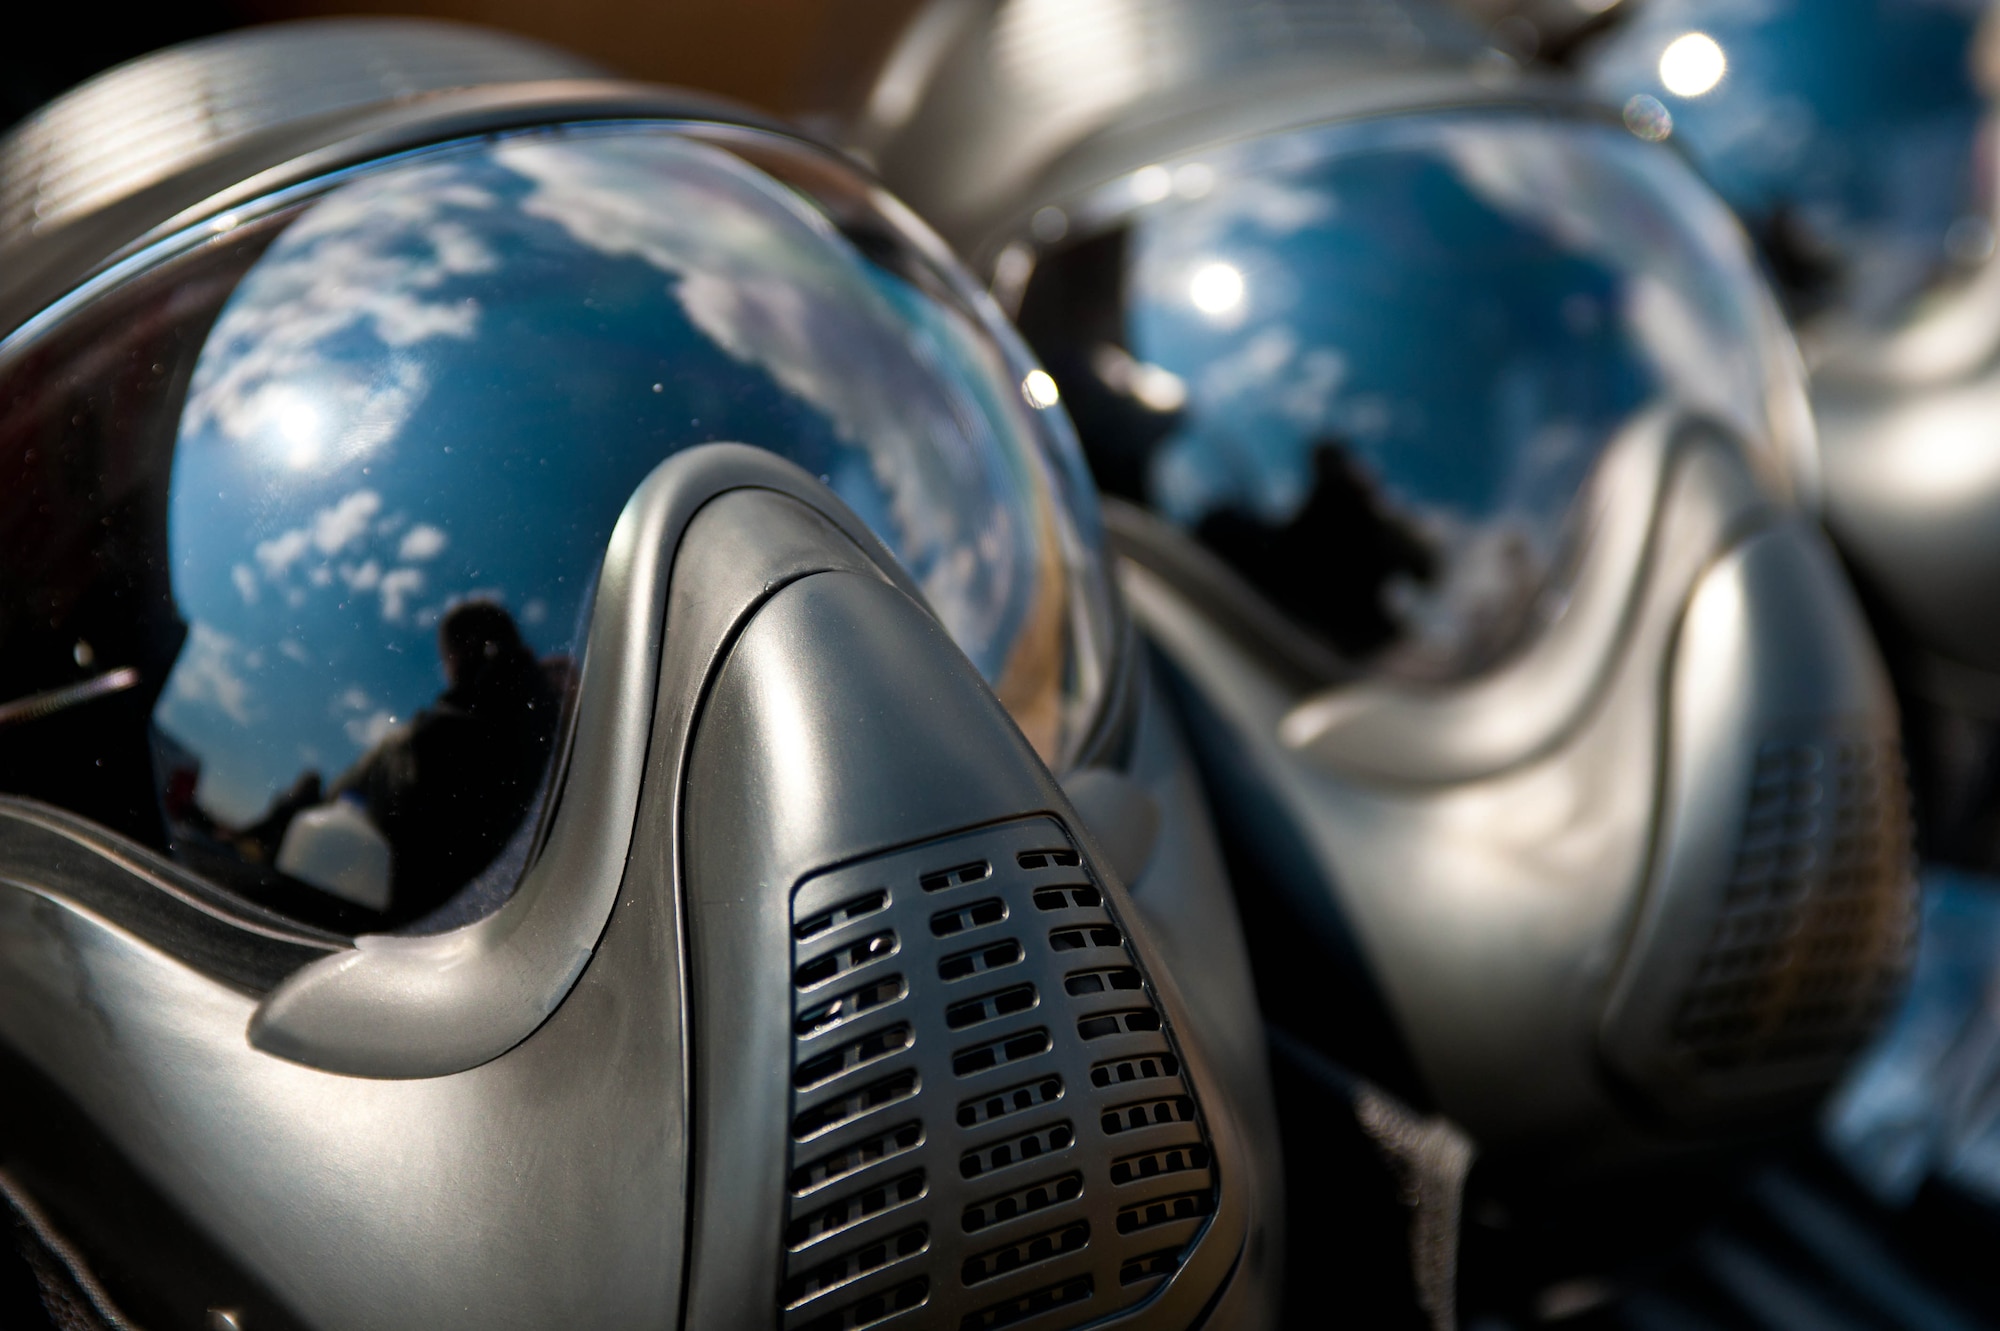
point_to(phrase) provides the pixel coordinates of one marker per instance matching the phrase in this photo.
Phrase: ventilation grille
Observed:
(989, 1119)
(1818, 919)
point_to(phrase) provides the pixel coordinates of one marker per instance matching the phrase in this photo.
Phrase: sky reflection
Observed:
(1466, 309)
(443, 381)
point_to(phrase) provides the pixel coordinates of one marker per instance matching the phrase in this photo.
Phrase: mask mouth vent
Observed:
(990, 1118)
(1810, 947)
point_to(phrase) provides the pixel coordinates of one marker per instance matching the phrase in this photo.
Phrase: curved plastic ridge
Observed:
(427, 1006)
(1387, 730)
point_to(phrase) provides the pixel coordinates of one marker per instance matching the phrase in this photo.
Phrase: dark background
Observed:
(788, 56)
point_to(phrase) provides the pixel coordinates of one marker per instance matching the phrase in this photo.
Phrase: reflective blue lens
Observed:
(1374, 364)
(414, 421)
(1846, 132)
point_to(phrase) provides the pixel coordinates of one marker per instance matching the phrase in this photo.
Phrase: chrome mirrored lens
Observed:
(1851, 135)
(398, 452)
(1375, 364)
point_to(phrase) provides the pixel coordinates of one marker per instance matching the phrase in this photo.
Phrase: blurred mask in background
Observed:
(1856, 140)
(1456, 441)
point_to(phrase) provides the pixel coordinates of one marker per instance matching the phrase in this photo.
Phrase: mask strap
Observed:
(1431, 1157)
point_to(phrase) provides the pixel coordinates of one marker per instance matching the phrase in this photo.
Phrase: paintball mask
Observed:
(538, 619)
(1856, 139)
(1454, 436)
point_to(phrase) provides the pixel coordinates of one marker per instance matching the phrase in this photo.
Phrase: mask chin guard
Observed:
(929, 1061)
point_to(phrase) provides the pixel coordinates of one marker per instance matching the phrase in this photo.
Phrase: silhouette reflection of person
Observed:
(450, 788)
(1333, 562)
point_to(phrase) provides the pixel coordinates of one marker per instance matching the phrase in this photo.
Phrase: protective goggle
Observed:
(309, 500)
(1377, 365)
(383, 551)
(1854, 137)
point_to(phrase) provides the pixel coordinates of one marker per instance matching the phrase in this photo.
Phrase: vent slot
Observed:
(1135, 1021)
(1806, 954)
(1026, 1252)
(850, 1267)
(846, 1007)
(1150, 1267)
(820, 970)
(979, 960)
(1016, 1150)
(1148, 1114)
(1084, 983)
(844, 1214)
(998, 1053)
(1153, 1164)
(943, 1154)
(845, 913)
(876, 1308)
(1071, 940)
(1070, 896)
(1028, 1305)
(1024, 1200)
(1162, 1211)
(956, 876)
(975, 916)
(1139, 1067)
(816, 1174)
(857, 1053)
(824, 1118)
(1008, 1002)
(1013, 1100)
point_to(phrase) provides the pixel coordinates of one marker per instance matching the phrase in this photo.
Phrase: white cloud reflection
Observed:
(335, 528)
(272, 376)
(309, 556)
(751, 271)
(206, 674)
(398, 586)
(421, 542)
(1684, 266)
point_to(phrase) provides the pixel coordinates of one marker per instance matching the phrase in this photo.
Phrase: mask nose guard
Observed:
(1780, 919)
(932, 1062)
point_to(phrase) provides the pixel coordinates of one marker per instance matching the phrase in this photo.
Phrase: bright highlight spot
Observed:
(1040, 390)
(1692, 64)
(1150, 184)
(1217, 288)
(297, 422)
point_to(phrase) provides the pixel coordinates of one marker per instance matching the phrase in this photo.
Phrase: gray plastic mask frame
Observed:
(1503, 878)
(641, 1113)
(1387, 730)
(485, 987)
